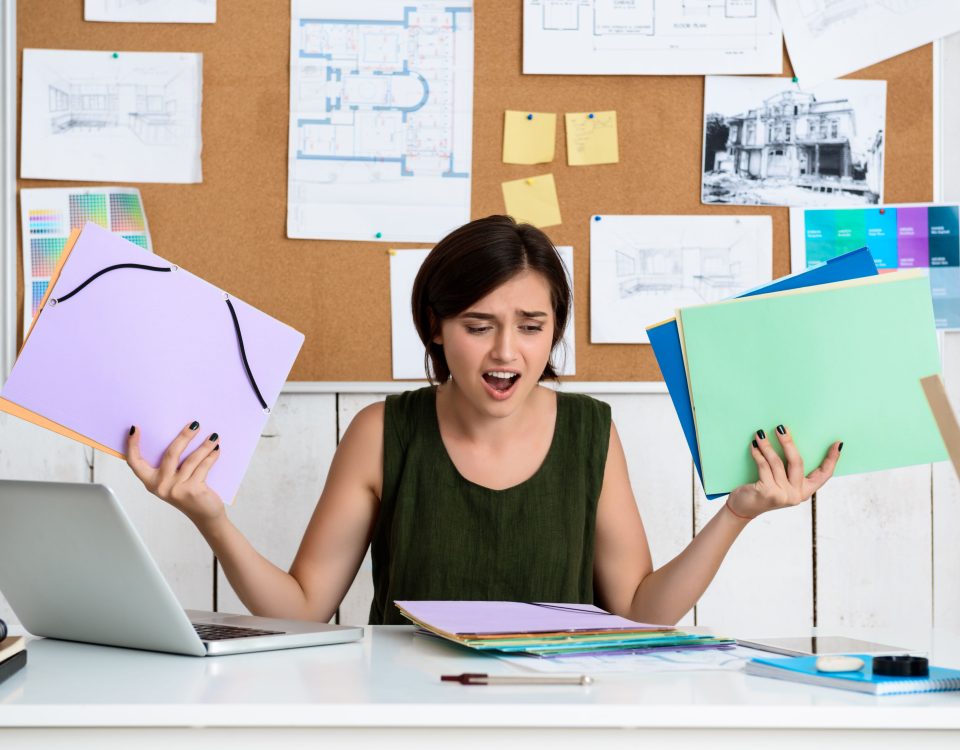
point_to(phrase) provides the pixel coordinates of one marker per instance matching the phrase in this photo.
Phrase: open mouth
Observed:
(501, 381)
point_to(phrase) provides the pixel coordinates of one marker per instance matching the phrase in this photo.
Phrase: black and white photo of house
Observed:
(769, 142)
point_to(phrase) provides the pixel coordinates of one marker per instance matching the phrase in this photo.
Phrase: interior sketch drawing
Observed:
(603, 36)
(642, 268)
(381, 98)
(151, 111)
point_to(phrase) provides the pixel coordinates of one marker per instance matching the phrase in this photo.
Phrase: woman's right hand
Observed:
(181, 483)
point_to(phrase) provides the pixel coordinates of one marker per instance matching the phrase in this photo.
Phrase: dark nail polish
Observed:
(213, 437)
(840, 447)
(194, 425)
(761, 434)
(781, 429)
(133, 429)
(756, 445)
(216, 448)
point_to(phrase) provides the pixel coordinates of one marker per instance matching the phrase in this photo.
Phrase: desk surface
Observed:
(391, 679)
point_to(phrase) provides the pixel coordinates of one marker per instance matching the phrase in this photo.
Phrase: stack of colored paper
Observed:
(835, 353)
(546, 629)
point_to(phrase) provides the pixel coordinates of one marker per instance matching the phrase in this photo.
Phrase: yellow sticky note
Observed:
(533, 200)
(592, 138)
(528, 137)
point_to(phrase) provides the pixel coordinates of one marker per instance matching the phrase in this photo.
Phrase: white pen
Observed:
(473, 678)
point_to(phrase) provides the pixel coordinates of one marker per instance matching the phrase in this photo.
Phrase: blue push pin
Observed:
(596, 218)
(378, 235)
(590, 115)
(529, 117)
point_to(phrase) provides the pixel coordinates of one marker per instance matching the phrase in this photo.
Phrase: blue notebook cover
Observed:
(665, 337)
(804, 669)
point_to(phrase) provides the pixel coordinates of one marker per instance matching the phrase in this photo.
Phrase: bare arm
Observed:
(625, 580)
(335, 540)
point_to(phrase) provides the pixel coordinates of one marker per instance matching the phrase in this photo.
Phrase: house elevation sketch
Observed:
(651, 37)
(124, 116)
(381, 111)
(642, 268)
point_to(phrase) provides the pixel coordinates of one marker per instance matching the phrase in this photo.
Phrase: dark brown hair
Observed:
(471, 262)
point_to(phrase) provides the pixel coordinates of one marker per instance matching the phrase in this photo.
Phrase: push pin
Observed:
(529, 180)
(883, 211)
(596, 218)
(529, 117)
(378, 235)
(391, 252)
(590, 116)
(116, 55)
(795, 79)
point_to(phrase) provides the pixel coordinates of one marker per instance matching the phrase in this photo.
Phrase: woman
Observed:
(488, 485)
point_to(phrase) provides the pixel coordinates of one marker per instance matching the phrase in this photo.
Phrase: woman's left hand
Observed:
(779, 487)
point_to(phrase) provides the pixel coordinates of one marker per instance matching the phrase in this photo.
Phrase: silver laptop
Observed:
(72, 566)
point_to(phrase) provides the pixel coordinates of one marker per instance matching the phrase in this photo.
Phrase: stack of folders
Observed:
(835, 353)
(13, 653)
(804, 669)
(546, 629)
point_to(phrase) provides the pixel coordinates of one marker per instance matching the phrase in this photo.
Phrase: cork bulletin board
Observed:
(231, 228)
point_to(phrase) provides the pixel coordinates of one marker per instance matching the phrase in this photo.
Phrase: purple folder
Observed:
(153, 346)
(490, 618)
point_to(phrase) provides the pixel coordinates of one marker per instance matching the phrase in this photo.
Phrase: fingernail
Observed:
(761, 434)
(194, 425)
(133, 429)
(840, 447)
(756, 445)
(213, 437)
(216, 448)
(781, 429)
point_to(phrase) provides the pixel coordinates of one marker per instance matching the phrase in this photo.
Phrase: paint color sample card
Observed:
(381, 119)
(592, 138)
(642, 268)
(533, 200)
(48, 215)
(407, 349)
(529, 137)
(111, 116)
(898, 236)
(833, 362)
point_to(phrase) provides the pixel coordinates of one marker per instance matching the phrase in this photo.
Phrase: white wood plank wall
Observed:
(874, 550)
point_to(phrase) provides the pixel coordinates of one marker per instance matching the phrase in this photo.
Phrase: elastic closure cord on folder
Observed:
(243, 356)
(108, 269)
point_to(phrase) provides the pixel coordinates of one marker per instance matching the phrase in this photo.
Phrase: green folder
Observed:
(834, 362)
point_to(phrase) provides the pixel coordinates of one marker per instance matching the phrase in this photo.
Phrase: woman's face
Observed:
(498, 347)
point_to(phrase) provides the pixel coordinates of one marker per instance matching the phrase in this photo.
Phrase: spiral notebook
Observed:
(804, 669)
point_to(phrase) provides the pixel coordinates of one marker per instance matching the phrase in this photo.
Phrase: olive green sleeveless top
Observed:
(440, 536)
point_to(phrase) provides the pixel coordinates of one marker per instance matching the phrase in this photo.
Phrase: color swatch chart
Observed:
(898, 236)
(48, 215)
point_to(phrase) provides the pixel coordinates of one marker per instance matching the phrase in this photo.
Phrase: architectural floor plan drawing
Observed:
(830, 38)
(642, 268)
(124, 116)
(651, 37)
(381, 111)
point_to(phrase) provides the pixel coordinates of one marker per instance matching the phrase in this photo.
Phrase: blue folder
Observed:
(665, 337)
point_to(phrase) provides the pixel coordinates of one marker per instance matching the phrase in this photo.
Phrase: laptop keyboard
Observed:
(223, 632)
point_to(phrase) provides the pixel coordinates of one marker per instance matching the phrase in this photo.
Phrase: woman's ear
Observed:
(438, 337)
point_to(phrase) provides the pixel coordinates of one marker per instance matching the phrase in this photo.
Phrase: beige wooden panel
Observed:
(284, 481)
(661, 472)
(174, 542)
(765, 585)
(946, 508)
(355, 607)
(32, 453)
(874, 550)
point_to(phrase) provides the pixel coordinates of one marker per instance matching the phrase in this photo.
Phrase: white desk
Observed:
(386, 690)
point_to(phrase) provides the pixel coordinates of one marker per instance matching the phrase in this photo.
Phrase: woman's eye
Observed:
(478, 329)
(531, 329)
